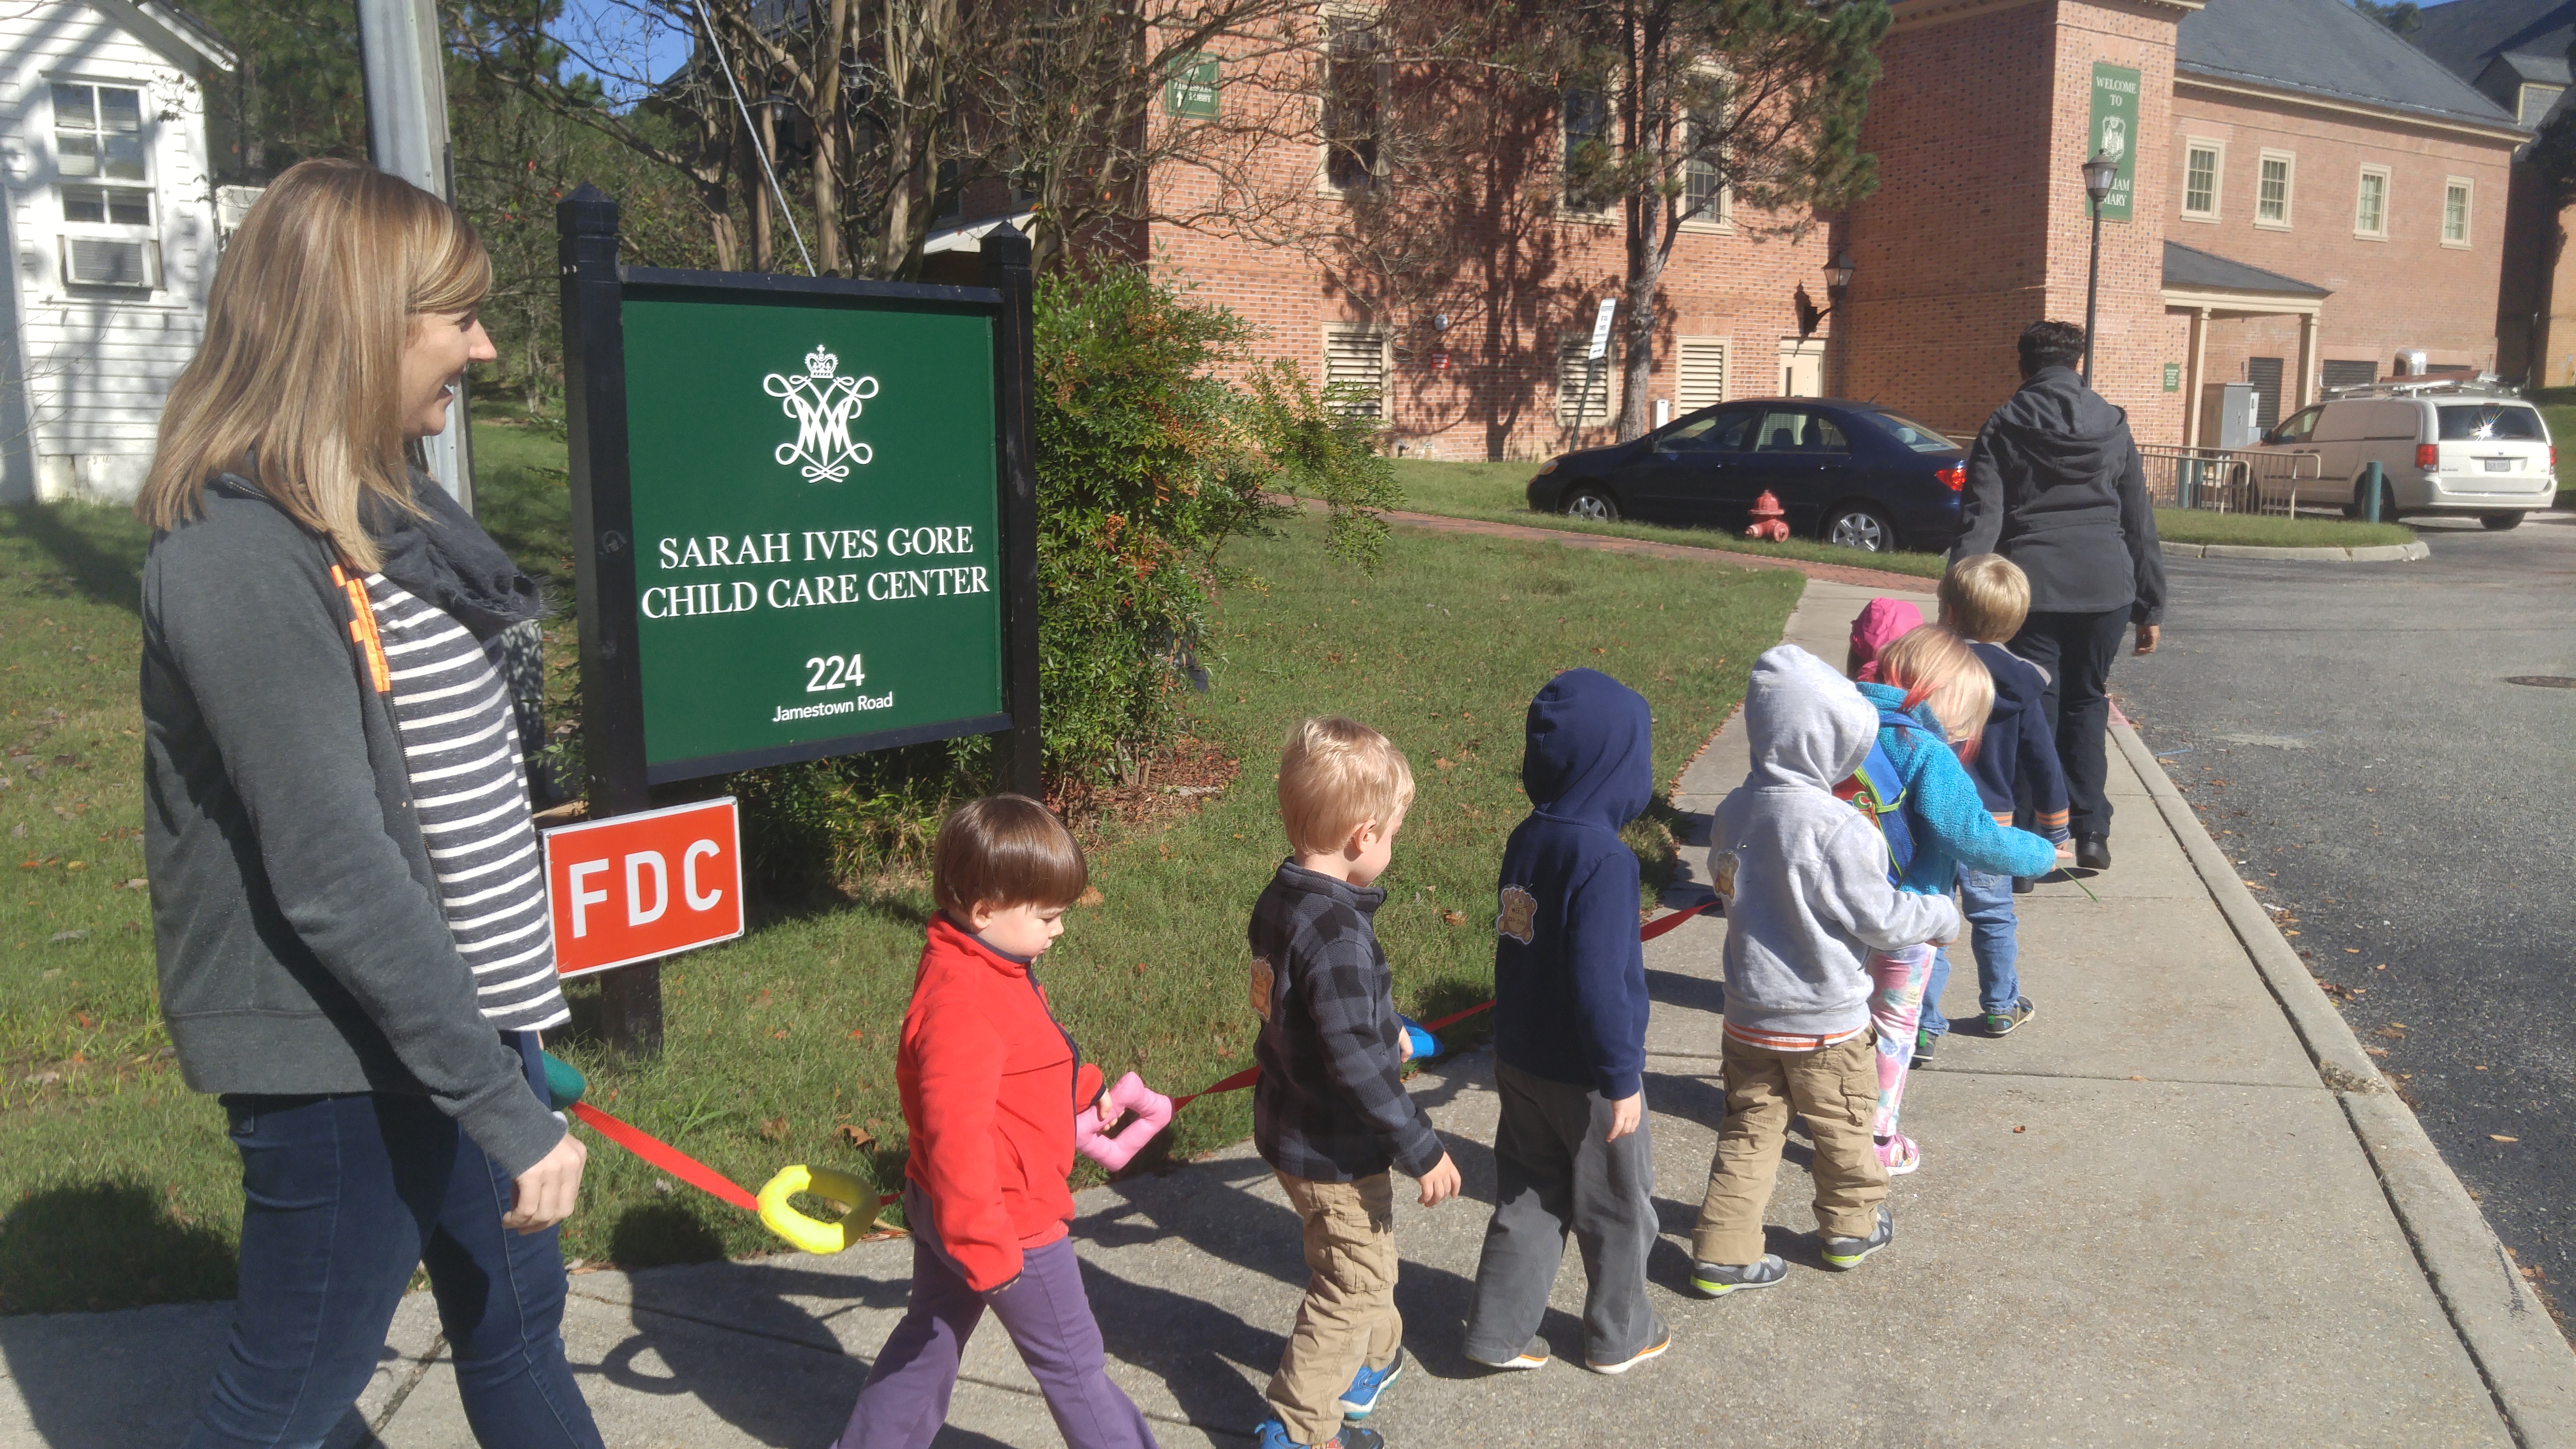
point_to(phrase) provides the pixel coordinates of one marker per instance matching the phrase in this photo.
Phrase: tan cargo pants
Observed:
(1836, 1090)
(1348, 1319)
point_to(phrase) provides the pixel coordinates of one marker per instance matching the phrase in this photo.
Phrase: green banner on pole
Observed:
(2115, 133)
(816, 523)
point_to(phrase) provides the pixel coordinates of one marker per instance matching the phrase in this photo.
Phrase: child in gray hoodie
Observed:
(1804, 878)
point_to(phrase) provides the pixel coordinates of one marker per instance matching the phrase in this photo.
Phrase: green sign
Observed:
(2115, 133)
(815, 523)
(2173, 377)
(1190, 88)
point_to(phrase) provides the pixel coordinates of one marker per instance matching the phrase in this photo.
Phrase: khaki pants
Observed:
(1348, 1319)
(1836, 1090)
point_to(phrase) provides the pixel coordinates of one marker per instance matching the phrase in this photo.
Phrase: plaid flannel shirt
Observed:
(1330, 1105)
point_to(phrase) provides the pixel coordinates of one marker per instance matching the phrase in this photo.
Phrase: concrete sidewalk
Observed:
(2145, 1218)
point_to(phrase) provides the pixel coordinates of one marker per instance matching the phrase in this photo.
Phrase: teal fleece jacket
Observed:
(1956, 830)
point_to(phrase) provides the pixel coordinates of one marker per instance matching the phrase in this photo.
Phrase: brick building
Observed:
(2303, 199)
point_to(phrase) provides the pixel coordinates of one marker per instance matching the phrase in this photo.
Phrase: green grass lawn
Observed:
(2192, 525)
(120, 1189)
(1498, 493)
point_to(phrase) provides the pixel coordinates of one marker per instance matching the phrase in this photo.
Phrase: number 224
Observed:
(831, 671)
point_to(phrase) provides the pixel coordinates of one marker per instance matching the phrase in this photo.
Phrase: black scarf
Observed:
(443, 557)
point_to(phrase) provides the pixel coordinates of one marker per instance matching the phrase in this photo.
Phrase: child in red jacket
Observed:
(989, 1084)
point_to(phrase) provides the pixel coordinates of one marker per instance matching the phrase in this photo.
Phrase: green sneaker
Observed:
(1924, 1042)
(2001, 1023)
(1847, 1252)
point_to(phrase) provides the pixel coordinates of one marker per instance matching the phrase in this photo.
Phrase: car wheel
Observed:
(1858, 525)
(2499, 522)
(1588, 502)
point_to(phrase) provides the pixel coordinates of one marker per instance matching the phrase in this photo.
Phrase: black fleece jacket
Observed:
(301, 945)
(2056, 485)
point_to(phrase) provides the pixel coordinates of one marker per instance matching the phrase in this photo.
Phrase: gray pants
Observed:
(1554, 1174)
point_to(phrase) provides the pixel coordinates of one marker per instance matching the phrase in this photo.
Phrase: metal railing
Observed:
(2228, 480)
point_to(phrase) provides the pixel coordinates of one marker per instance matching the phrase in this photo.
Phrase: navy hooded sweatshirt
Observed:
(2017, 742)
(1569, 974)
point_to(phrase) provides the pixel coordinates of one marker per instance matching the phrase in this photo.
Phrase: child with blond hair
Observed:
(1329, 1112)
(1984, 599)
(1931, 692)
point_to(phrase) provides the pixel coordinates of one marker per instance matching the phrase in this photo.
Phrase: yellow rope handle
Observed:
(812, 1234)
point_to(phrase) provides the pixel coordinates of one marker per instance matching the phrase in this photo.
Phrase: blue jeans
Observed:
(1987, 901)
(343, 1196)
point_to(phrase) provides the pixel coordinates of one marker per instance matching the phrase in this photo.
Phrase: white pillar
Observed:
(2307, 359)
(407, 137)
(2191, 377)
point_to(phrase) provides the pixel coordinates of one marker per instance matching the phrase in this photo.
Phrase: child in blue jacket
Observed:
(1984, 599)
(1572, 1151)
(1934, 682)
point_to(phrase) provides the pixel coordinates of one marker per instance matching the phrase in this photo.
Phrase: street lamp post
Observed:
(2099, 173)
(1838, 282)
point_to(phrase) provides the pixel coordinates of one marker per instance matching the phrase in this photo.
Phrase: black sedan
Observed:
(1847, 473)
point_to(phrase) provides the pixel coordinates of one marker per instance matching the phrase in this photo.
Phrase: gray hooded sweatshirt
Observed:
(1803, 874)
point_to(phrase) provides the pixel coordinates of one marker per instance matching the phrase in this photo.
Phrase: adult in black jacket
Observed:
(2056, 485)
(351, 926)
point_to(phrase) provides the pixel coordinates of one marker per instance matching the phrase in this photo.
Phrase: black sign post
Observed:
(768, 579)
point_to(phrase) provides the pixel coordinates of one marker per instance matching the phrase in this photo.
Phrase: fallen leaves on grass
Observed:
(774, 1130)
(1453, 918)
(853, 1137)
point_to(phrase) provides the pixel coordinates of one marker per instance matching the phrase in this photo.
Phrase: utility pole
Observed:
(406, 79)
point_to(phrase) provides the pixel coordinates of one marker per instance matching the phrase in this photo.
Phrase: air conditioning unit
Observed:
(97, 261)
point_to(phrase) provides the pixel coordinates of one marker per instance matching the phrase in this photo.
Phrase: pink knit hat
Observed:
(1881, 623)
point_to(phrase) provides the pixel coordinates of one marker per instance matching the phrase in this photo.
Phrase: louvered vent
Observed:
(1355, 366)
(1703, 373)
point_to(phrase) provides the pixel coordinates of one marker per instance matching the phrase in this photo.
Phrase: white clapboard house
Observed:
(111, 235)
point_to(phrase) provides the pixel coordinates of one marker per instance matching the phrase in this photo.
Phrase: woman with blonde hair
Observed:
(347, 903)
(1932, 694)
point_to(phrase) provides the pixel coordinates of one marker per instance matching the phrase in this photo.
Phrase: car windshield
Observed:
(1916, 436)
(2480, 422)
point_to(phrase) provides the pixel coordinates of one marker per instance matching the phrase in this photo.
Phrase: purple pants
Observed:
(1046, 1314)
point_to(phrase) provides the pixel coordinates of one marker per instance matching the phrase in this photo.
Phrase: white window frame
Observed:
(148, 231)
(1683, 347)
(2468, 191)
(1385, 337)
(1565, 207)
(2361, 192)
(1371, 18)
(1570, 348)
(2289, 188)
(2522, 97)
(1719, 219)
(2217, 150)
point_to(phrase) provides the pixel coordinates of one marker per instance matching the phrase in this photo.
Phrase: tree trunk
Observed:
(1645, 279)
(752, 162)
(827, 137)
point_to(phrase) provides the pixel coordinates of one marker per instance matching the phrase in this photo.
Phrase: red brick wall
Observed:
(2129, 351)
(2406, 291)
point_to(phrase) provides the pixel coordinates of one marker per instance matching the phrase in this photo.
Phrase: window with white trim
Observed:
(2456, 195)
(1707, 201)
(1355, 369)
(104, 187)
(1354, 119)
(2370, 204)
(2272, 192)
(1588, 151)
(2200, 166)
(1586, 387)
(1699, 365)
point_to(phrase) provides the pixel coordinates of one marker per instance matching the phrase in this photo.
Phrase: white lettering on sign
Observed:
(583, 900)
(813, 545)
(689, 876)
(636, 864)
(927, 583)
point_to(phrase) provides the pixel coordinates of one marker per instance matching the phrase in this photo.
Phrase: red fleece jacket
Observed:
(988, 1083)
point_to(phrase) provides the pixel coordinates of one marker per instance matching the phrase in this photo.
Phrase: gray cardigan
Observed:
(300, 942)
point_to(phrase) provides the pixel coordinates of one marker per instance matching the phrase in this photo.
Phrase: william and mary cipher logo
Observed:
(823, 403)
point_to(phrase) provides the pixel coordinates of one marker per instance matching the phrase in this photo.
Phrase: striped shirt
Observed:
(469, 786)
(1783, 1041)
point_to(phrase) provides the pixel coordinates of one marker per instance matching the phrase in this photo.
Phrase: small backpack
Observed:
(1878, 791)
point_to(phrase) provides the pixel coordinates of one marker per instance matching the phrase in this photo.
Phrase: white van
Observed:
(2443, 448)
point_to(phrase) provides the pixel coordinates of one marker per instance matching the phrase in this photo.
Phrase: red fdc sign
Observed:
(634, 887)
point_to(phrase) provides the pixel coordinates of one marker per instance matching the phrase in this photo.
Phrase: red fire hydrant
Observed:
(1769, 519)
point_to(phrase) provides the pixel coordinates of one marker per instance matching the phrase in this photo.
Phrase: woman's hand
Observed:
(543, 1195)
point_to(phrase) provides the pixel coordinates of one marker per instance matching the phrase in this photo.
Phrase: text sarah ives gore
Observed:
(827, 673)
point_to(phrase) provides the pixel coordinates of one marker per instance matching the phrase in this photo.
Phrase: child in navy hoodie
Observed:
(1984, 599)
(1572, 1151)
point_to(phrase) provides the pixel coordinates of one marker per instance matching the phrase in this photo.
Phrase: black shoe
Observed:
(2093, 853)
(2023, 885)
(1924, 1045)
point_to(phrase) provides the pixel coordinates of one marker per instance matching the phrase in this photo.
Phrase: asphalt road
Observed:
(2347, 732)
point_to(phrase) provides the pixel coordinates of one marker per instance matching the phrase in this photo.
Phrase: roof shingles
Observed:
(2325, 48)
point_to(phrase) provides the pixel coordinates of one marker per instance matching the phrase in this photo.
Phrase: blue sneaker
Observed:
(1361, 1401)
(1274, 1435)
